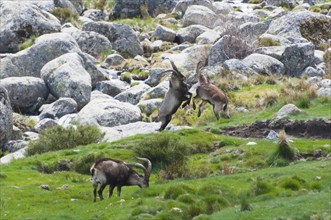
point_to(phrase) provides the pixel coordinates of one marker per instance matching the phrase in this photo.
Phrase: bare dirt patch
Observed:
(317, 128)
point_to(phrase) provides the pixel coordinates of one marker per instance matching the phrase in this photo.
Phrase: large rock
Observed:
(302, 24)
(108, 112)
(29, 62)
(208, 37)
(133, 94)
(89, 41)
(190, 33)
(137, 8)
(65, 76)
(149, 106)
(6, 117)
(112, 87)
(286, 110)
(228, 47)
(20, 21)
(13, 156)
(59, 108)
(182, 5)
(252, 31)
(27, 94)
(155, 75)
(158, 91)
(197, 14)
(236, 18)
(122, 37)
(222, 8)
(237, 66)
(264, 64)
(165, 34)
(283, 3)
(295, 57)
(188, 59)
(122, 131)
(75, 6)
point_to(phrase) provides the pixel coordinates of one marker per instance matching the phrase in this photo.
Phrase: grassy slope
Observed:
(21, 197)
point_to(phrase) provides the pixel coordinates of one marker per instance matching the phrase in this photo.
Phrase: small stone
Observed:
(251, 143)
(44, 186)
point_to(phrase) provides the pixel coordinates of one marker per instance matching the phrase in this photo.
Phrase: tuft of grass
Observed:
(284, 152)
(64, 15)
(59, 138)
(28, 43)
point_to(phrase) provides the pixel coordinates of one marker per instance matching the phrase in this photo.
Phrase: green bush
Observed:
(303, 102)
(261, 188)
(83, 165)
(284, 152)
(163, 149)
(290, 183)
(175, 191)
(214, 203)
(59, 138)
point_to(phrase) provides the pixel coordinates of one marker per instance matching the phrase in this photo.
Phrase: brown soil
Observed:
(318, 128)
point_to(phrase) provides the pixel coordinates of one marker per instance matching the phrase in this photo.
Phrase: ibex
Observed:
(208, 92)
(118, 173)
(177, 93)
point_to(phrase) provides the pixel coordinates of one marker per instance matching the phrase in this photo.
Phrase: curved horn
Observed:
(149, 166)
(133, 164)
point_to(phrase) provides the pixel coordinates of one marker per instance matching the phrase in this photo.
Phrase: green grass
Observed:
(209, 194)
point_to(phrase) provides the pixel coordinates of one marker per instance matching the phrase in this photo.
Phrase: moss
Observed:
(267, 42)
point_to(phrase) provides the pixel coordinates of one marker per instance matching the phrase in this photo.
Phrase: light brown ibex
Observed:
(178, 92)
(112, 172)
(208, 92)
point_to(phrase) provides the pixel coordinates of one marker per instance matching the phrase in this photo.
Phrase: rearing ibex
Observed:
(208, 92)
(177, 93)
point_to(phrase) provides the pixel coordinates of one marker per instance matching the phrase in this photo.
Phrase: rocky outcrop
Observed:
(122, 37)
(108, 112)
(65, 76)
(22, 20)
(6, 117)
(302, 24)
(197, 14)
(29, 62)
(59, 108)
(27, 94)
(264, 64)
(138, 8)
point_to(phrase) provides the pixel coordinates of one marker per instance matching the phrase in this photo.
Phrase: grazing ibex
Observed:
(118, 173)
(208, 92)
(177, 93)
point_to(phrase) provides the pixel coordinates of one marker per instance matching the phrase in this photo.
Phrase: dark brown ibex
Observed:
(208, 92)
(178, 92)
(112, 172)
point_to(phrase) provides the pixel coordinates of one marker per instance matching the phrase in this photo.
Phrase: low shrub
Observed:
(261, 188)
(290, 183)
(64, 14)
(163, 149)
(59, 138)
(284, 152)
(214, 203)
(175, 191)
(83, 164)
